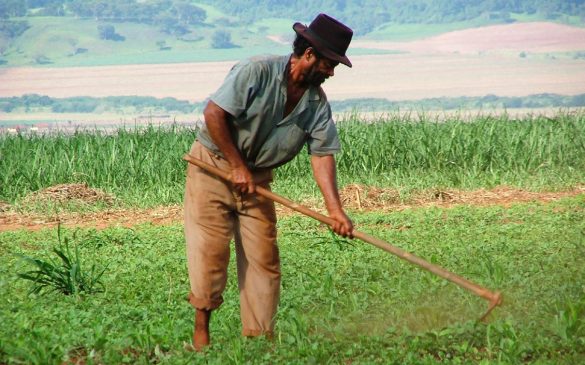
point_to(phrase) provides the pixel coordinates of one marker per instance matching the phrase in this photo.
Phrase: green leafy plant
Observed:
(569, 322)
(65, 274)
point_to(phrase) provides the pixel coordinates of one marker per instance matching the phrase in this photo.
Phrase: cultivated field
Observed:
(499, 201)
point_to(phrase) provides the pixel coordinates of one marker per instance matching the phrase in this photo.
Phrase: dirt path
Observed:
(356, 198)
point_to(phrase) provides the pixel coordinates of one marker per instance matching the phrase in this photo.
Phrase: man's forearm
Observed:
(325, 175)
(324, 171)
(217, 126)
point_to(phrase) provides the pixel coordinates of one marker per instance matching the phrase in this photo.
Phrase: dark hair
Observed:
(301, 44)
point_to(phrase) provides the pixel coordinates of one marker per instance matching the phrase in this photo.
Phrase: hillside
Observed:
(366, 16)
(105, 32)
(473, 62)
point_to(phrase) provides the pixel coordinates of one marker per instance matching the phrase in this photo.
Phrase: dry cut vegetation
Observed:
(356, 198)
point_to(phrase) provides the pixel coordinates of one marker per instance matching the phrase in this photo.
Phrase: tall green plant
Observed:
(144, 166)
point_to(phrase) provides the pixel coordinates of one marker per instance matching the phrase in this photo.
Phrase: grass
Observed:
(143, 167)
(213, 14)
(409, 32)
(563, 19)
(488, 151)
(340, 304)
(276, 26)
(58, 39)
(102, 159)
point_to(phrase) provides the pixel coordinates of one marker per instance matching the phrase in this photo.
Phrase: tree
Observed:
(52, 10)
(170, 25)
(162, 45)
(41, 59)
(189, 14)
(10, 8)
(222, 39)
(577, 100)
(13, 29)
(108, 32)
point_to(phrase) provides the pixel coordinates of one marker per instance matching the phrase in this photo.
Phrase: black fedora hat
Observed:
(329, 36)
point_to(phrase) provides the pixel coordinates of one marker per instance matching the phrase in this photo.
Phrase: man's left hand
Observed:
(342, 225)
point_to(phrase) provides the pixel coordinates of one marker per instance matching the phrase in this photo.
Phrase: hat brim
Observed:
(318, 43)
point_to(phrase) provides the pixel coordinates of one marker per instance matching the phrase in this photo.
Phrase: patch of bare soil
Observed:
(355, 198)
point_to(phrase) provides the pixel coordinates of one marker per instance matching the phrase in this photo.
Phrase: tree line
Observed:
(86, 104)
(175, 16)
(365, 15)
(464, 102)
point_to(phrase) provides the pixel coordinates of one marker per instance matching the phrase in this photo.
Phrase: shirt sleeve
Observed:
(323, 139)
(237, 88)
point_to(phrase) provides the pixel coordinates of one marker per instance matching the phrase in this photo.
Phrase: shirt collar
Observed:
(314, 92)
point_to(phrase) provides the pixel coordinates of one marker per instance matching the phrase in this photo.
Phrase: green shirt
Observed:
(254, 95)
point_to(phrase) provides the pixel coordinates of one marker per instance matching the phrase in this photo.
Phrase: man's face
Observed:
(319, 71)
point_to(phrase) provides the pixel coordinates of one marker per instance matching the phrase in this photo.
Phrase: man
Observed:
(260, 118)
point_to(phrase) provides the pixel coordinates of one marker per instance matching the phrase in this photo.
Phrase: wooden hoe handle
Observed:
(494, 298)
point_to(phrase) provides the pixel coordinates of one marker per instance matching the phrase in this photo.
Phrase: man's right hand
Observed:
(242, 179)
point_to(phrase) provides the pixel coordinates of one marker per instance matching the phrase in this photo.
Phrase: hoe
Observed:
(494, 298)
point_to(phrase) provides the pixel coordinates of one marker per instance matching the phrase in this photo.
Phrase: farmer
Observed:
(260, 118)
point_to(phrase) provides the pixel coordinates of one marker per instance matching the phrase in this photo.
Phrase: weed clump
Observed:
(66, 274)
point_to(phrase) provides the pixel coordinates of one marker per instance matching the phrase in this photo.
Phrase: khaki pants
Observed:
(214, 213)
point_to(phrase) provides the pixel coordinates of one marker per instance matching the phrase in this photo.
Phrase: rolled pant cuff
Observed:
(255, 333)
(204, 304)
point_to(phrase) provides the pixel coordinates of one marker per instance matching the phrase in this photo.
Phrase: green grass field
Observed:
(60, 40)
(343, 302)
(563, 19)
(340, 303)
(409, 32)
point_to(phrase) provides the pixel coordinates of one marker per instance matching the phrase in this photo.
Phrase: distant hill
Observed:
(366, 15)
(106, 32)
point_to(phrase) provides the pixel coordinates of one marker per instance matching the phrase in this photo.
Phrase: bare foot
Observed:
(200, 340)
(201, 331)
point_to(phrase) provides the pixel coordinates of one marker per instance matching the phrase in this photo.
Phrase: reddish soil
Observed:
(355, 198)
(529, 37)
